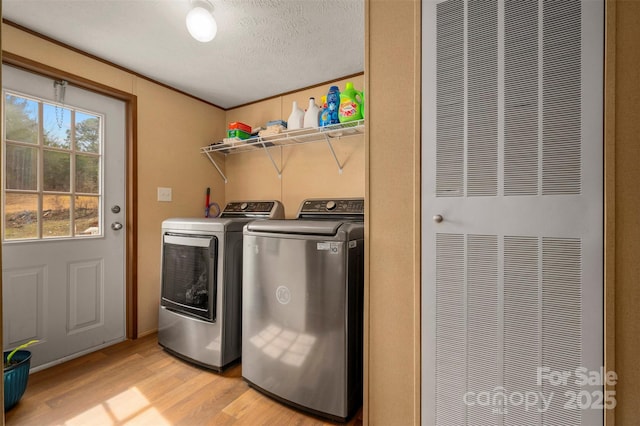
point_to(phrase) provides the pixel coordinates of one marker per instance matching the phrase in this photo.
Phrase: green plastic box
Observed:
(237, 133)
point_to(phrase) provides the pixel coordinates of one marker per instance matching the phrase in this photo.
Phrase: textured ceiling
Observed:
(263, 47)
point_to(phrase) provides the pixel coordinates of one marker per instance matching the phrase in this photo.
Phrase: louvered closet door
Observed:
(513, 164)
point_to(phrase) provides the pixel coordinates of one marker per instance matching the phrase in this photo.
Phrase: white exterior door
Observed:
(512, 298)
(63, 263)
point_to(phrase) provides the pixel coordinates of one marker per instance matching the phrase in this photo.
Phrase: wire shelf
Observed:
(287, 137)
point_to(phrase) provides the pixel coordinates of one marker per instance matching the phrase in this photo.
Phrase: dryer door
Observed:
(189, 278)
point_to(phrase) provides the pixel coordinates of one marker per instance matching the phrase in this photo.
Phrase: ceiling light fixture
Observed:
(200, 22)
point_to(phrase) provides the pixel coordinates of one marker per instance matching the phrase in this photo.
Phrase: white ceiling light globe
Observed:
(201, 24)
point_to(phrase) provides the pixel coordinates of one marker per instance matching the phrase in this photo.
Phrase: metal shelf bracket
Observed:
(216, 165)
(275, 166)
(333, 153)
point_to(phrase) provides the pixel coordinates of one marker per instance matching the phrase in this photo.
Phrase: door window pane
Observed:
(56, 219)
(52, 162)
(87, 215)
(87, 174)
(21, 119)
(87, 132)
(21, 216)
(57, 126)
(22, 167)
(57, 171)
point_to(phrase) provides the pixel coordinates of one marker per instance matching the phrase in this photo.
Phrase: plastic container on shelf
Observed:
(351, 104)
(324, 112)
(237, 133)
(296, 119)
(240, 126)
(277, 123)
(312, 114)
(333, 103)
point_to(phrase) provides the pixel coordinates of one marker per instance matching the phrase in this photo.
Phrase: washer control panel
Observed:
(332, 207)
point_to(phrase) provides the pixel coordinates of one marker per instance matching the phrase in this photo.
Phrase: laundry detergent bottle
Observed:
(351, 104)
(296, 119)
(324, 112)
(312, 114)
(333, 103)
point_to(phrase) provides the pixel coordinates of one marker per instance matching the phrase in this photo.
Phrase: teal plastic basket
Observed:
(16, 377)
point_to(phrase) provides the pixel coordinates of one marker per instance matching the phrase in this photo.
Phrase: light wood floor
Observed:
(136, 383)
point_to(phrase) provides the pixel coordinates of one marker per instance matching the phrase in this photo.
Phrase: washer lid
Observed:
(301, 227)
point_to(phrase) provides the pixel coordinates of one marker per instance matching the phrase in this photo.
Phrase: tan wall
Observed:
(393, 193)
(171, 128)
(627, 210)
(308, 170)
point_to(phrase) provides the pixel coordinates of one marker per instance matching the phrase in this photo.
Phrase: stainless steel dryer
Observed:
(201, 301)
(303, 307)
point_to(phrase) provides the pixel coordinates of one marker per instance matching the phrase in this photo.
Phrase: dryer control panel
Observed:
(269, 209)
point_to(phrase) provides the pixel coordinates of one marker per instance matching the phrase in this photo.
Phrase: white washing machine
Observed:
(201, 292)
(303, 307)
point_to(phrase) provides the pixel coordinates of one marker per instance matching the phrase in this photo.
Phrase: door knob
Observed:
(438, 218)
(116, 226)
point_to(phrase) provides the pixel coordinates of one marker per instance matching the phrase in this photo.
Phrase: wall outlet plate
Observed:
(164, 194)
